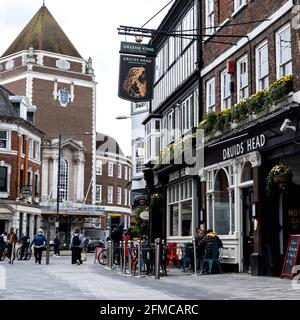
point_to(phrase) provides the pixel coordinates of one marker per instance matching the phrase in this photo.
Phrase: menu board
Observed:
(291, 257)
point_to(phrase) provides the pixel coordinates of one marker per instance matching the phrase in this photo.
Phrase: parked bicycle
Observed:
(27, 252)
(102, 257)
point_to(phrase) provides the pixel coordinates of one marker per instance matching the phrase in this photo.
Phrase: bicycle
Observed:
(102, 257)
(26, 254)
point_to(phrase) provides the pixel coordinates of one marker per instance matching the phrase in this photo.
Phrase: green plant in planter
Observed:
(257, 102)
(279, 174)
(240, 111)
(221, 121)
(279, 89)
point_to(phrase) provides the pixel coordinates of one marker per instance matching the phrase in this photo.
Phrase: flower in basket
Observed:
(280, 174)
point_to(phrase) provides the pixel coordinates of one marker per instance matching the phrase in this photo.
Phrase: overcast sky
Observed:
(92, 27)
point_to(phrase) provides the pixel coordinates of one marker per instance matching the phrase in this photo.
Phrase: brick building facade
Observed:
(43, 65)
(113, 182)
(20, 165)
(249, 91)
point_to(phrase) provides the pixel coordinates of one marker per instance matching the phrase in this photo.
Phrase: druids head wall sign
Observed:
(244, 147)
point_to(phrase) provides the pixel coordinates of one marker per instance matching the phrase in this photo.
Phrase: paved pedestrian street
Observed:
(26, 280)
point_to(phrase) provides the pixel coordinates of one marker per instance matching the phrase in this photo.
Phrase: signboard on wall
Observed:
(136, 78)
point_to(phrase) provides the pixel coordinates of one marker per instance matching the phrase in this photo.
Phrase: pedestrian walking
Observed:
(12, 239)
(56, 244)
(24, 241)
(39, 242)
(76, 246)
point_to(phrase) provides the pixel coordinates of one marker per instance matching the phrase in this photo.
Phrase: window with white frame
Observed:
(3, 179)
(262, 66)
(30, 148)
(119, 171)
(110, 169)
(284, 51)
(210, 17)
(187, 114)
(171, 127)
(119, 196)
(99, 167)
(180, 209)
(36, 185)
(125, 197)
(221, 201)
(64, 180)
(211, 95)
(152, 139)
(110, 194)
(98, 193)
(125, 173)
(225, 90)
(37, 150)
(139, 165)
(242, 77)
(3, 139)
(238, 4)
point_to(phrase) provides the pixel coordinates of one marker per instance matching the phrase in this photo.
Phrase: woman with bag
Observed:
(76, 246)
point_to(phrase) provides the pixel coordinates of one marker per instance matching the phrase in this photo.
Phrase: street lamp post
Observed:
(58, 185)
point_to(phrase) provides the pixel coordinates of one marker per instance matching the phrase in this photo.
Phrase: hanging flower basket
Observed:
(279, 179)
(281, 175)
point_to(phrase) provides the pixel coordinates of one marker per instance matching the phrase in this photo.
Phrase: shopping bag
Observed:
(83, 256)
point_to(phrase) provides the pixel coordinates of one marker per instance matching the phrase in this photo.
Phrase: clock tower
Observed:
(43, 65)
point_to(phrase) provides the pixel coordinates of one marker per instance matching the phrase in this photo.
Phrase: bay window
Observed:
(119, 196)
(110, 191)
(99, 167)
(98, 193)
(180, 214)
(152, 139)
(110, 169)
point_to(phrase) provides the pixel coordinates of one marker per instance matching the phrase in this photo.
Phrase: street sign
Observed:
(141, 202)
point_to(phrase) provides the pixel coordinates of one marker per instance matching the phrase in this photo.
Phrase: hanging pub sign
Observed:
(141, 202)
(147, 50)
(136, 78)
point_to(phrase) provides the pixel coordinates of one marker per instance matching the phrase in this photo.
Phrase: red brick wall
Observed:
(12, 161)
(51, 62)
(74, 119)
(17, 87)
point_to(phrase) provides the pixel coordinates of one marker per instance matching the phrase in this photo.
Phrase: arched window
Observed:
(247, 173)
(64, 180)
(222, 205)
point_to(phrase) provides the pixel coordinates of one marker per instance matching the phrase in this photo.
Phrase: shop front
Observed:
(253, 212)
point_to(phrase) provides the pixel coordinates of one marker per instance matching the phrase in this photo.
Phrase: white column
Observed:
(80, 181)
(16, 221)
(24, 223)
(230, 211)
(213, 211)
(45, 180)
(208, 213)
(54, 178)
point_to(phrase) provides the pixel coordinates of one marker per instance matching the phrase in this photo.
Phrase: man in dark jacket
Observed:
(76, 246)
(39, 242)
(210, 241)
(24, 240)
(200, 248)
(56, 244)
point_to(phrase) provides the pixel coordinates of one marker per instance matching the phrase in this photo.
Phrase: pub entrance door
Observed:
(248, 228)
